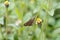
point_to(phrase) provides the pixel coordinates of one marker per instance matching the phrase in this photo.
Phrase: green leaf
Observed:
(27, 17)
(56, 32)
(19, 14)
(2, 9)
(51, 12)
(57, 13)
(37, 31)
(42, 14)
(58, 37)
(16, 37)
(1, 20)
(45, 6)
(57, 23)
(51, 21)
(11, 6)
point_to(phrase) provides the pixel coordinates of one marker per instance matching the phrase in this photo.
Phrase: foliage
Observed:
(19, 12)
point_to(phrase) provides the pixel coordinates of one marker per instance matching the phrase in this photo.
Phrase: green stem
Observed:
(6, 21)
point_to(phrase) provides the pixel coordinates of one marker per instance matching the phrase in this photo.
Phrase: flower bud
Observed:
(6, 3)
(38, 20)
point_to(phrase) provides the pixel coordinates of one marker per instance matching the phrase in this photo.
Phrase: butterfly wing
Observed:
(29, 23)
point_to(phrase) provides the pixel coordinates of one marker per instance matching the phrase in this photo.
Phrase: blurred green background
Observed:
(21, 11)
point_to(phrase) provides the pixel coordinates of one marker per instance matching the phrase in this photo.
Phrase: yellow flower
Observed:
(6, 3)
(38, 20)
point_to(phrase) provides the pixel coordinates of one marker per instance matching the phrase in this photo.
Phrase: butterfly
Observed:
(31, 21)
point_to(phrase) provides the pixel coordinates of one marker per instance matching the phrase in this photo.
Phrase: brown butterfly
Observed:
(30, 22)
